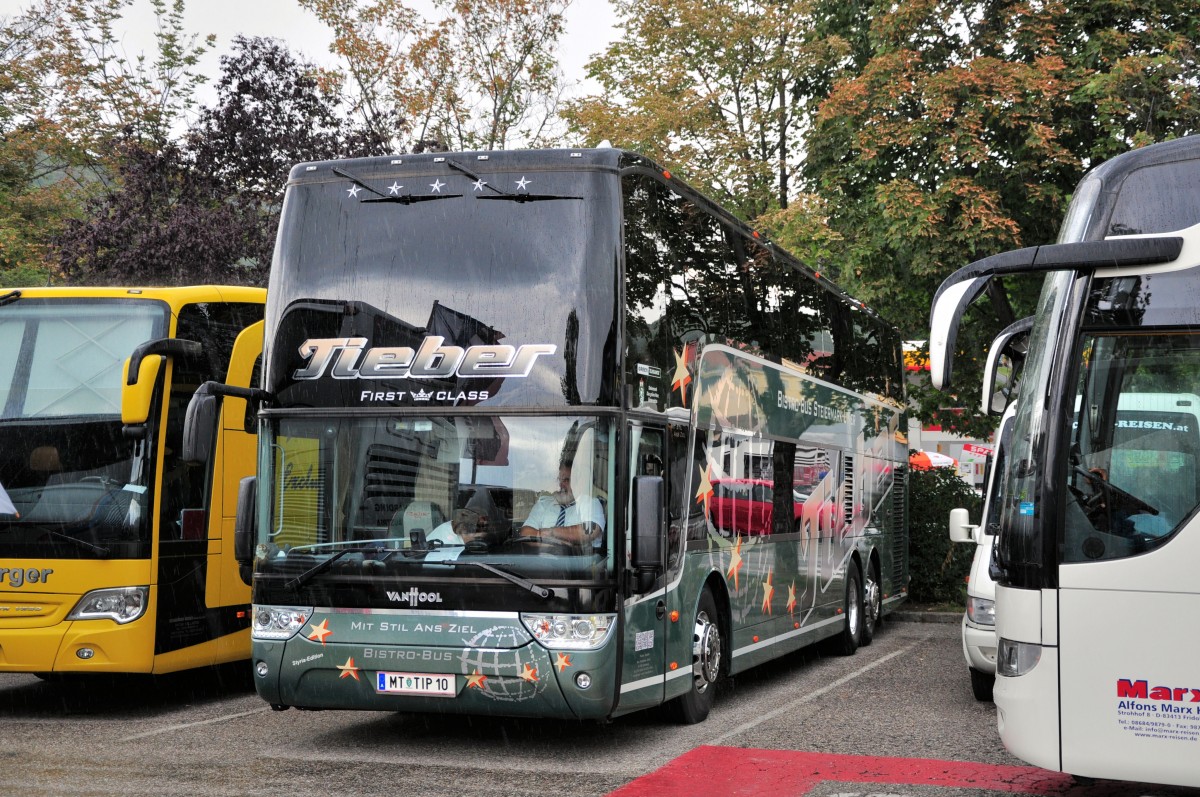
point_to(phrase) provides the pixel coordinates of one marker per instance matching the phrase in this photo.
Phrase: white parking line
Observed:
(186, 725)
(811, 695)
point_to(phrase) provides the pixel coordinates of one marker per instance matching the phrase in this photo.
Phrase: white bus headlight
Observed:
(981, 611)
(123, 604)
(570, 631)
(1016, 658)
(278, 622)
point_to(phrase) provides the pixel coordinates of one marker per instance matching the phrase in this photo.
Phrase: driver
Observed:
(560, 519)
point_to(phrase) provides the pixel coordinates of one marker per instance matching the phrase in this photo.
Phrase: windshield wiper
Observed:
(500, 193)
(523, 583)
(403, 199)
(302, 579)
(9, 297)
(99, 550)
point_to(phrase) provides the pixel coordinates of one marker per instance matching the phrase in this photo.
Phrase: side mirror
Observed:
(137, 391)
(961, 529)
(646, 555)
(243, 528)
(200, 425)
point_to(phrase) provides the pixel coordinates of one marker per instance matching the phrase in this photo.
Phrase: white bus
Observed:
(1099, 537)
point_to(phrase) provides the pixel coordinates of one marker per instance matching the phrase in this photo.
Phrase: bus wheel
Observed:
(872, 606)
(981, 685)
(846, 642)
(707, 647)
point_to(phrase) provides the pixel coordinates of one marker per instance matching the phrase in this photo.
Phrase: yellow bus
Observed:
(116, 554)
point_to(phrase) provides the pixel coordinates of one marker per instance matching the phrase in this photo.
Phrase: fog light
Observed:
(583, 680)
(85, 653)
(262, 669)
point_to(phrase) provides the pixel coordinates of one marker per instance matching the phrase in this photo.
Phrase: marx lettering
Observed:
(349, 358)
(1142, 689)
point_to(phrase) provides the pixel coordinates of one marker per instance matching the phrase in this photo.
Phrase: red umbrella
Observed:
(924, 460)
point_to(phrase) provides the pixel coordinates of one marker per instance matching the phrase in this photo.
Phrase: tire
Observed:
(872, 606)
(708, 662)
(846, 643)
(981, 685)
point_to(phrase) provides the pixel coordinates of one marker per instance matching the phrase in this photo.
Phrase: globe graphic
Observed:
(502, 653)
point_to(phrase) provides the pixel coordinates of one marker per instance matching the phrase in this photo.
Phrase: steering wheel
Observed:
(1107, 500)
(540, 542)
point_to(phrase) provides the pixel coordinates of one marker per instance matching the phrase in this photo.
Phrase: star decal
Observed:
(735, 562)
(522, 183)
(791, 602)
(348, 669)
(704, 492)
(436, 185)
(478, 185)
(562, 661)
(352, 191)
(319, 632)
(394, 188)
(682, 377)
(768, 593)
(529, 674)
(476, 680)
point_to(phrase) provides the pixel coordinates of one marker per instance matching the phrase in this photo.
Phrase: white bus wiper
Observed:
(523, 583)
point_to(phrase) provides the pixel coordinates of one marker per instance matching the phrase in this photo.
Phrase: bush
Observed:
(938, 567)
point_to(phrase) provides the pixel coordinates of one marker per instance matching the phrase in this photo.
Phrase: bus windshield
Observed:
(78, 486)
(403, 491)
(530, 261)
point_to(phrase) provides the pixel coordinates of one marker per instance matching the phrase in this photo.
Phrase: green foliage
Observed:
(938, 567)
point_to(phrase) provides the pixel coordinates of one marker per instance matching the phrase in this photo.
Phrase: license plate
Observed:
(415, 683)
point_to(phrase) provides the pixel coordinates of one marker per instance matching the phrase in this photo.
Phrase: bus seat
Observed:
(422, 516)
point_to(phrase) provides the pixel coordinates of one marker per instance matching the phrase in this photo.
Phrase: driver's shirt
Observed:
(545, 512)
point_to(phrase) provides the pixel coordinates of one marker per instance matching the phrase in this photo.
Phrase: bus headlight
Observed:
(1016, 658)
(981, 611)
(123, 604)
(570, 631)
(277, 622)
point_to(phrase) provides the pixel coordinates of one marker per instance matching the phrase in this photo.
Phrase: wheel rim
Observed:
(706, 652)
(874, 602)
(853, 608)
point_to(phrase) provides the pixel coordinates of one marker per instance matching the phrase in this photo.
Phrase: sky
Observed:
(589, 28)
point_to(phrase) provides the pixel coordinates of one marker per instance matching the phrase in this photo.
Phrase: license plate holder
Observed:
(424, 684)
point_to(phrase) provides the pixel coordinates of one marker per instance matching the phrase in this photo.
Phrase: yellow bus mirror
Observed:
(138, 392)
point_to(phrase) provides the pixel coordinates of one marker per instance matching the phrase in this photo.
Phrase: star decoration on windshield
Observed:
(478, 185)
(319, 632)
(790, 606)
(522, 183)
(562, 661)
(735, 563)
(394, 188)
(348, 669)
(768, 593)
(529, 674)
(437, 185)
(476, 680)
(352, 191)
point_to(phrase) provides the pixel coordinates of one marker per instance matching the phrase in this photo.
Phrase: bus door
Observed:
(1127, 574)
(643, 666)
(200, 595)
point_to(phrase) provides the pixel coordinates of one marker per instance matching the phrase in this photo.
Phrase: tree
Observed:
(208, 209)
(68, 99)
(483, 76)
(964, 135)
(720, 89)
